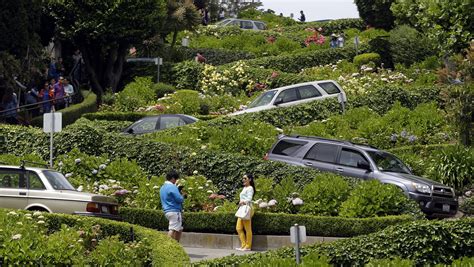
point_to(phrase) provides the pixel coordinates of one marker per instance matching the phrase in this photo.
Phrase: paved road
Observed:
(198, 254)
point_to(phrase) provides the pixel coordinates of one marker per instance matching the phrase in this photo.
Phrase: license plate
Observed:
(446, 207)
(105, 209)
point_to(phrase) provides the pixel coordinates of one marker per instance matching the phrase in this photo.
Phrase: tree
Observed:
(182, 15)
(449, 24)
(104, 31)
(376, 13)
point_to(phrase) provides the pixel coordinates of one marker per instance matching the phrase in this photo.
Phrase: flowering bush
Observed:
(25, 236)
(200, 193)
(232, 80)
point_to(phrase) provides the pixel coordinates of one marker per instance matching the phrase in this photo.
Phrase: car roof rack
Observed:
(22, 165)
(331, 140)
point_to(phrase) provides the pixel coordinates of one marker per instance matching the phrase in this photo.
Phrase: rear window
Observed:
(260, 25)
(288, 147)
(330, 88)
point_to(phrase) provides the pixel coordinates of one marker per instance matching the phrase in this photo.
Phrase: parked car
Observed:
(295, 94)
(159, 122)
(47, 190)
(364, 162)
(244, 24)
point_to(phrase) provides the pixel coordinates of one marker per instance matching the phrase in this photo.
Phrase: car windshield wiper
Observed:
(395, 171)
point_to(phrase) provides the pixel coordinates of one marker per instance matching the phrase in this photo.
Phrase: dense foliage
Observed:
(51, 239)
(376, 13)
(415, 241)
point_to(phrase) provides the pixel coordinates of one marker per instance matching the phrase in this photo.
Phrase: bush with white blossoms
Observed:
(232, 80)
(201, 193)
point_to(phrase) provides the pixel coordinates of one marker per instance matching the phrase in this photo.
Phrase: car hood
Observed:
(250, 110)
(83, 196)
(413, 178)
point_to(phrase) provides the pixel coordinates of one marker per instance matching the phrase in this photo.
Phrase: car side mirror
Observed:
(278, 101)
(130, 131)
(363, 165)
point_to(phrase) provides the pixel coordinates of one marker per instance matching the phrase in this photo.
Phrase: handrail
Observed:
(2, 113)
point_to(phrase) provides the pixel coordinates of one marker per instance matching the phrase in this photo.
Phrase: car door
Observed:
(321, 156)
(37, 193)
(13, 191)
(308, 93)
(287, 97)
(170, 121)
(353, 163)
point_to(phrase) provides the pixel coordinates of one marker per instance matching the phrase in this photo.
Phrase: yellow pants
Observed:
(245, 237)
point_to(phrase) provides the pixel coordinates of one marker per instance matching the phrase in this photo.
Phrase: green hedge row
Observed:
(264, 223)
(131, 116)
(164, 250)
(424, 242)
(74, 112)
(295, 62)
(329, 27)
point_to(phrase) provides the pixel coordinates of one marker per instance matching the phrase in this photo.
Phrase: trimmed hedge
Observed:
(132, 116)
(329, 27)
(164, 249)
(424, 242)
(295, 62)
(74, 112)
(264, 223)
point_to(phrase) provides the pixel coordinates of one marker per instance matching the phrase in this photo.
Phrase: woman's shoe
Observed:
(239, 249)
(246, 249)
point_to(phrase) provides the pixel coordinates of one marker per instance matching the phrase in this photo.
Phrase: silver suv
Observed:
(42, 189)
(364, 162)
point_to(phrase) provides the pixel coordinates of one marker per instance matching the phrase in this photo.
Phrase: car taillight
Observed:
(114, 209)
(265, 157)
(93, 207)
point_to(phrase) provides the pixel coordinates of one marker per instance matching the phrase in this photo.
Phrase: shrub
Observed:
(117, 117)
(263, 223)
(366, 58)
(187, 74)
(74, 112)
(454, 166)
(324, 196)
(373, 198)
(390, 263)
(414, 241)
(54, 239)
(408, 46)
(467, 206)
(137, 94)
(162, 89)
(295, 62)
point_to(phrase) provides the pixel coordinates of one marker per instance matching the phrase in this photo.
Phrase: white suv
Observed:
(295, 94)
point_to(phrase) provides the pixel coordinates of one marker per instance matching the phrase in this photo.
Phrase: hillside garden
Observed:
(412, 110)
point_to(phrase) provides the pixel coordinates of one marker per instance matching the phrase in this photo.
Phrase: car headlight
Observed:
(422, 188)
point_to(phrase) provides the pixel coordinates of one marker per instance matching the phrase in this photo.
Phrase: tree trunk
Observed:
(90, 60)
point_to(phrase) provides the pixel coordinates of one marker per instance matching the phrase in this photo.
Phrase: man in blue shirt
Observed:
(172, 202)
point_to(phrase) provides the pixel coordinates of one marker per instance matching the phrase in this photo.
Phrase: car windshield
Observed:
(263, 99)
(58, 181)
(223, 22)
(388, 163)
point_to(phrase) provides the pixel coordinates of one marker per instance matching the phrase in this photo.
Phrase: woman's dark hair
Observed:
(252, 183)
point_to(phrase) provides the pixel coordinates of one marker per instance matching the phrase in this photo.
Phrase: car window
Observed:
(263, 99)
(288, 95)
(58, 181)
(167, 122)
(145, 125)
(329, 87)
(245, 24)
(259, 25)
(350, 157)
(308, 91)
(288, 147)
(12, 179)
(35, 182)
(234, 22)
(322, 152)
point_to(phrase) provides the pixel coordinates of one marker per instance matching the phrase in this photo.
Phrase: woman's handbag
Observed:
(243, 212)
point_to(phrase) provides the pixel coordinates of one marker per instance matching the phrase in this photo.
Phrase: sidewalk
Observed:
(199, 254)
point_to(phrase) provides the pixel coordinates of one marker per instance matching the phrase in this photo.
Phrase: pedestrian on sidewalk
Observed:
(246, 199)
(172, 203)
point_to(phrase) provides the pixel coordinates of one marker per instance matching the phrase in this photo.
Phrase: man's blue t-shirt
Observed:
(171, 199)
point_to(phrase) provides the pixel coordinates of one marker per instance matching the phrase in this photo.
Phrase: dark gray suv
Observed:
(364, 162)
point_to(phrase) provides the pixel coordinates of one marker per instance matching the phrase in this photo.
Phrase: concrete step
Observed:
(260, 242)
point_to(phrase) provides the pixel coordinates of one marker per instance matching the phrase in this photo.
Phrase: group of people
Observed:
(337, 40)
(172, 199)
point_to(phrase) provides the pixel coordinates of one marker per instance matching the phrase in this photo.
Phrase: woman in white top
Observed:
(246, 199)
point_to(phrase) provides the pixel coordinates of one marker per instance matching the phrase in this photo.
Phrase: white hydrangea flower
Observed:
(40, 222)
(263, 205)
(68, 175)
(77, 161)
(94, 171)
(102, 166)
(297, 201)
(195, 172)
(156, 187)
(272, 203)
(16, 237)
